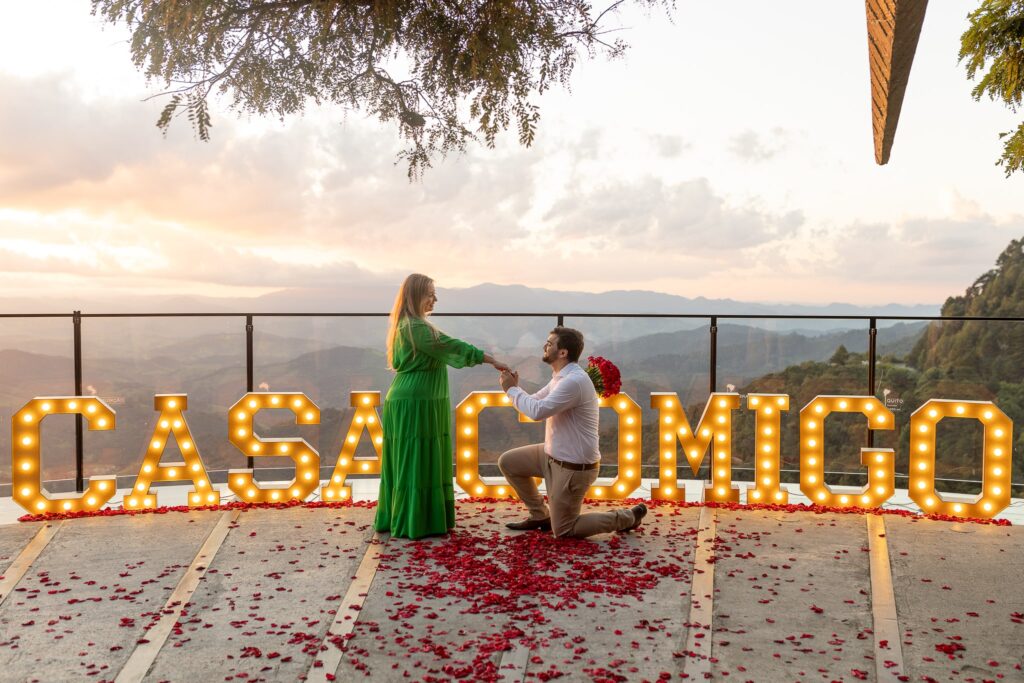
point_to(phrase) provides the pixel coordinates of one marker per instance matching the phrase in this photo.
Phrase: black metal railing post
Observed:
(713, 365)
(872, 360)
(76, 321)
(248, 368)
(561, 320)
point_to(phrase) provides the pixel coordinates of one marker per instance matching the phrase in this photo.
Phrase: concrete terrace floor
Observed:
(311, 593)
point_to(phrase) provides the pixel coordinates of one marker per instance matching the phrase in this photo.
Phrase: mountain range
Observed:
(486, 297)
(139, 336)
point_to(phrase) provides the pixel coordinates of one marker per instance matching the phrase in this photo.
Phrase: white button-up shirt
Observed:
(569, 405)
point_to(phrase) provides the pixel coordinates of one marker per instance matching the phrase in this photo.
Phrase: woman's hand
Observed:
(498, 365)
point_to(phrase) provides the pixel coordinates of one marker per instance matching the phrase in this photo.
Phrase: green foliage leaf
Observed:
(444, 72)
(992, 51)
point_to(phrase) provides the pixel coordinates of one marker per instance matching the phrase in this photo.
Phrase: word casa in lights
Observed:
(30, 493)
(712, 432)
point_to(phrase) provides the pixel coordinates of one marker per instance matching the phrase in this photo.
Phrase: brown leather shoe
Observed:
(531, 524)
(639, 512)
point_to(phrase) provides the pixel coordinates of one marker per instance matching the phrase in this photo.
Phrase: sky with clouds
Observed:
(729, 154)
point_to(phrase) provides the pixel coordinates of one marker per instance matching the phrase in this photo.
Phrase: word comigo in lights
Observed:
(713, 432)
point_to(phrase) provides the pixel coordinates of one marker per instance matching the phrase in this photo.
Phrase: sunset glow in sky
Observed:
(728, 155)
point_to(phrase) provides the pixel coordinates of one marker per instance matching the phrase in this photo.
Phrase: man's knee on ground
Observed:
(563, 529)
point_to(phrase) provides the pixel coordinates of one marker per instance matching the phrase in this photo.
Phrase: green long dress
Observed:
(416, 493)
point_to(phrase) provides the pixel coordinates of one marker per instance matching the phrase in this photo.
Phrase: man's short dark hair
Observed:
(571, 340)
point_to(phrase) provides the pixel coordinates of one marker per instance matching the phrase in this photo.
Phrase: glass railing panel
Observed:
(802, 358)
(519, 342)
(967, 360)
(126, 361)
(37, 359)
(327, 358)
(653, 355)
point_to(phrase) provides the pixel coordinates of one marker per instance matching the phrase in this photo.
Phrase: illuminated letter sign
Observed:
(307, 460)
(715, 426)
(767, 420)
(879, 461)
(467, 427)
(365, 419)
(27, 481)
(714, 429)
(171, 423)
(467, 443)
(628, 478)
(997, 445)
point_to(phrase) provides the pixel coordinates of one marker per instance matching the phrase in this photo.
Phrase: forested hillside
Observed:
(969, 360)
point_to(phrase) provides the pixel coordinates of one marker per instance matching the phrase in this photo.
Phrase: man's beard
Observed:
(547, 359)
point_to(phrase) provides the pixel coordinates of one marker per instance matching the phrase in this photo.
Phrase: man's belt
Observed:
(575, 466)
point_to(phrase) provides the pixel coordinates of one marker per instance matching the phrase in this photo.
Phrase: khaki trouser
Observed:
(565, 488)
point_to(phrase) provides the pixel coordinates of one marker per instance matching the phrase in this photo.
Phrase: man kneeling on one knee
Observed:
(569, 458)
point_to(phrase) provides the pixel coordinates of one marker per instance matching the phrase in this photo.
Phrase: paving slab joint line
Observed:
(26, 557)
(697, 664)
(357, 592)
(514, 663)
(144, 654)
(883, 604)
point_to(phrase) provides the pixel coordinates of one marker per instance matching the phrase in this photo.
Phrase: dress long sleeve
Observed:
(449, 350)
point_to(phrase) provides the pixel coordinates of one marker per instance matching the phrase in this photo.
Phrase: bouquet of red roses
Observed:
(604, 375)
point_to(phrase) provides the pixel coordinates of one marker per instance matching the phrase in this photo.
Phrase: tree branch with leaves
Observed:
(470, 69)
(992, 50)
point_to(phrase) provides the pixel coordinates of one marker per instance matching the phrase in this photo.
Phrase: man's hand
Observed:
(498, 365)
(509, 379)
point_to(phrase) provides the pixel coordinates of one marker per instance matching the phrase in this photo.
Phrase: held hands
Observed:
(498, 365)
(509, 379)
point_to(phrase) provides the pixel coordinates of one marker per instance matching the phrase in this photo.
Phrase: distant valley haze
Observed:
(510, 333)
(127, 360)
(486, 297)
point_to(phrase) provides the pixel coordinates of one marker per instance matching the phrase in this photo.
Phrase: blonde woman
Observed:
(416, 493)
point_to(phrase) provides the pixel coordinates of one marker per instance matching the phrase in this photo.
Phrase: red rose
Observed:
(605, 376)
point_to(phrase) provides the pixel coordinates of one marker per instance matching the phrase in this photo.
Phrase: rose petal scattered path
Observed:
(87, 600)
(791, 598)
(960, 599)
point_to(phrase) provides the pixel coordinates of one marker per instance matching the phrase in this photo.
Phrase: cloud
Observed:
(92, 196)
(51, 140)
(107, 156)
(669, 146)
(310, 179)
(943, 253)
(157, 252)
(752, 146)
(653, 214)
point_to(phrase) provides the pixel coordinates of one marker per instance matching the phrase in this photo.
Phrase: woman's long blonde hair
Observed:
(408, 304)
